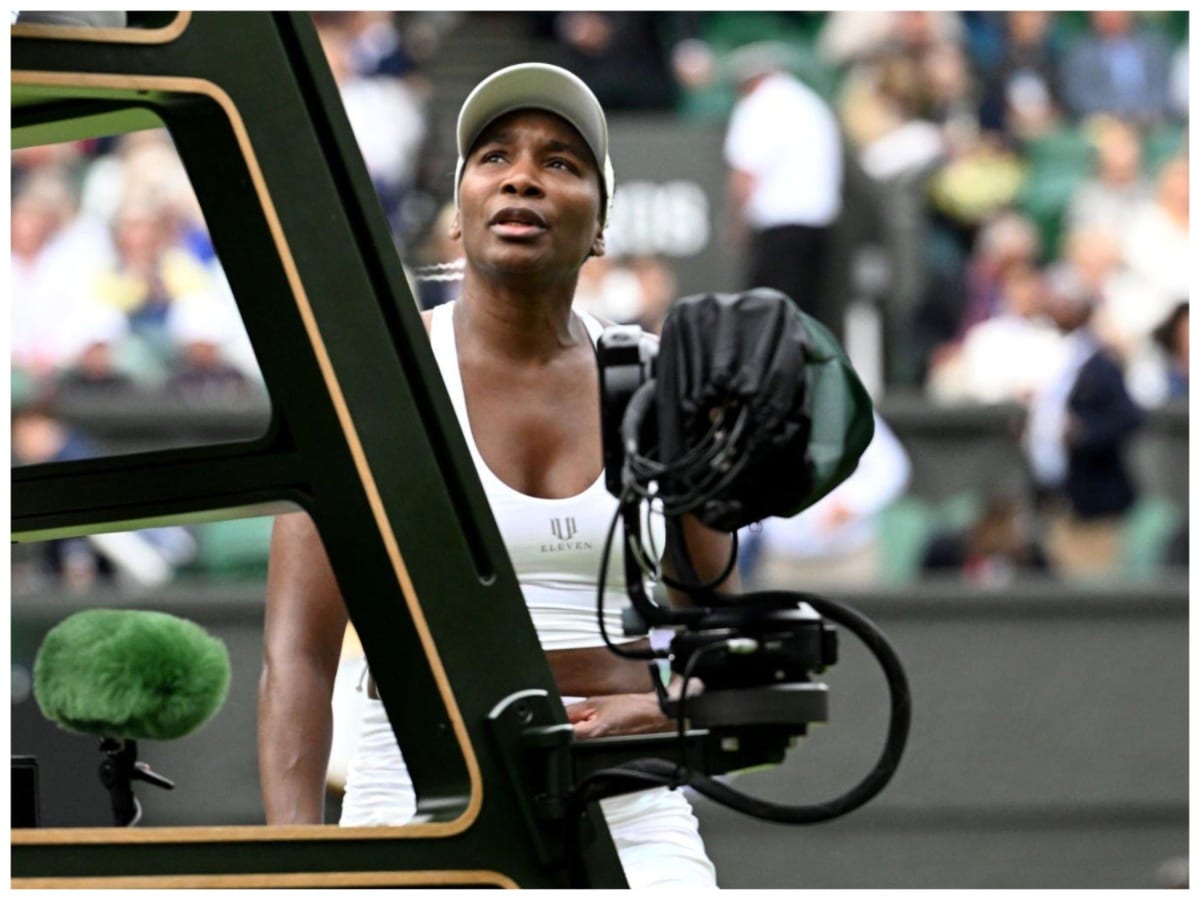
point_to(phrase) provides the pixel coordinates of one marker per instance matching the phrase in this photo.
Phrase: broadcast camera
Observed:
(746, 408)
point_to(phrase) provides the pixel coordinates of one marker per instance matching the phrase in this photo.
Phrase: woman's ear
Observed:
(455, 231)
(598, 244)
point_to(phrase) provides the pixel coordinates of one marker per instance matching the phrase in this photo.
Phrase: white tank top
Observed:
(555, 545)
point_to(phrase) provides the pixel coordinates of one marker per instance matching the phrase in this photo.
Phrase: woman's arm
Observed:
(710, 552)
(303, 631)
(640, 713)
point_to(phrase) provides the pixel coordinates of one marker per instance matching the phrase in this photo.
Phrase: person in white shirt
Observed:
(1005, 358)
(784, 153)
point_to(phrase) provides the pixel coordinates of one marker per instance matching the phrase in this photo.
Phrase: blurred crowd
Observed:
(1031, 172)
(115, 282)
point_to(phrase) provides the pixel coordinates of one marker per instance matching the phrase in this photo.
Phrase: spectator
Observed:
(201, 372)
(982, 174)
(1020, 97)
(1117, 68)
(202, 376)
(40, 293)
(834, 541)
(1007, 241)
(950, 94)
(1107, 200)
(151, 273)
(957, 295)
(1079, 424)
(991, 551)
(1122, 318)
(376, 47)
(1005, 358)
(785, 182)
(387, 116)
(883, 107)
(1172, 336)
(850, 37)
(905, 100)
(145, 169)
(97, 368)
(622, 56)
(1155, 246)
(210, 345)
(40, 436)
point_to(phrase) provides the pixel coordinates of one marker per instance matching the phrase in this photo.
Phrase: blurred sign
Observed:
(671, 219)
(670, 199)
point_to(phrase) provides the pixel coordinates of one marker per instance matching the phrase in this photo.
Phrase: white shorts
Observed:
(655, 831)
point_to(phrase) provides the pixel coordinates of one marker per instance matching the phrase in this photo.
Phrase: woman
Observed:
(532, 192)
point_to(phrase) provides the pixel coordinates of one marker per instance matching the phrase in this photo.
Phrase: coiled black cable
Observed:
(640, 773)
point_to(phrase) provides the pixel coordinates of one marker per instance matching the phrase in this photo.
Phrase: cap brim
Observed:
(534, 86)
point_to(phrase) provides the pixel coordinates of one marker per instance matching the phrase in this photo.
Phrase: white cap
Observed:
(536, 86)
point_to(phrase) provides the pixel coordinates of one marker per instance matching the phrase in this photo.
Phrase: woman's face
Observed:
(530, 197)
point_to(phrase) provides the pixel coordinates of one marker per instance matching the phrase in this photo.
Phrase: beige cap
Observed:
(536, 86)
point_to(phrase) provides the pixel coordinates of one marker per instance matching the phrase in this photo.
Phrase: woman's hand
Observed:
(617, 714)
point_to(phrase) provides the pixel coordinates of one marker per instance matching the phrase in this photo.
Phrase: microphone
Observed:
(126, 675)
(130, 674)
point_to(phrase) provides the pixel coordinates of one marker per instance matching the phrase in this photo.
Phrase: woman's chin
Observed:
(518, 259)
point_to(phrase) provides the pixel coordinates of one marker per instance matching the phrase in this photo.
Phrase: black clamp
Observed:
(118, 770)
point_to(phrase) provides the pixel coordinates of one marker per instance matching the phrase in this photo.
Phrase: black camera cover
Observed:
(808, 417)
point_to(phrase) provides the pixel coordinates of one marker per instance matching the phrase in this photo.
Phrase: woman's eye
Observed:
(561, 164)
(492, 156)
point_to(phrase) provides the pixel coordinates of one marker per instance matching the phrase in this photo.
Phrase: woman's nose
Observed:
(522, 180)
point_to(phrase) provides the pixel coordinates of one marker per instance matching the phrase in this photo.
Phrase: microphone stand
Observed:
(118, 770)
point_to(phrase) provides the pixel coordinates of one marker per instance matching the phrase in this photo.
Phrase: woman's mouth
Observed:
(517, 222)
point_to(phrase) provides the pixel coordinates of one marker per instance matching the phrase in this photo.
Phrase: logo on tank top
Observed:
(564, 529)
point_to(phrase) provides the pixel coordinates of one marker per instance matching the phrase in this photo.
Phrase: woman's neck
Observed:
(520, 322)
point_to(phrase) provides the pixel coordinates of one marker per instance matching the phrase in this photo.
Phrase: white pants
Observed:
(655, 832)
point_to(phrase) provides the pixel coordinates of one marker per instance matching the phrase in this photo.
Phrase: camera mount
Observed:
(721, 426)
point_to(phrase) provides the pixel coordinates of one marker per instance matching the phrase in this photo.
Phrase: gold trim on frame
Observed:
(430, 878)
(163, 35)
